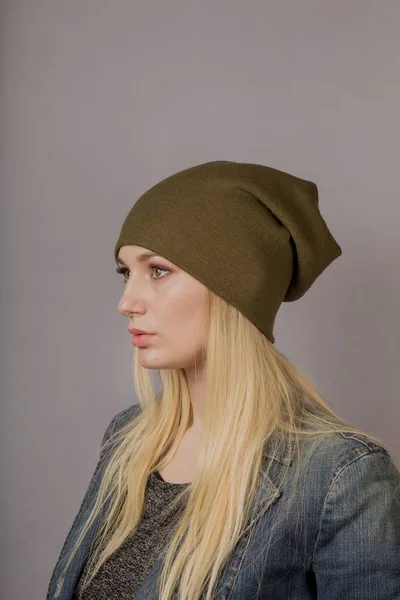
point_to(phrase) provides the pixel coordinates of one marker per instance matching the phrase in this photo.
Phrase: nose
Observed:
(122, 309)
(125, 306)
(133, 296)
(128, 304)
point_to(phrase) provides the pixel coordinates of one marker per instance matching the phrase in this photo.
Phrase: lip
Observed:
(134, 331)
(141, 339)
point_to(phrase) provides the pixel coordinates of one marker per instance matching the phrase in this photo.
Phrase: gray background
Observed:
(99, 101)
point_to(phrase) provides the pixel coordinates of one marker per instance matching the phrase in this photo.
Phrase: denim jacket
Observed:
(340, 540)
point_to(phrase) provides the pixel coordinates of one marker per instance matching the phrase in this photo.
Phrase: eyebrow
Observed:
(141, 258)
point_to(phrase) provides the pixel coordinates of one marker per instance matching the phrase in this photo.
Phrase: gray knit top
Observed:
(123, 572)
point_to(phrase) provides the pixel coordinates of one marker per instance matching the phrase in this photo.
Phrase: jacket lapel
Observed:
(266, 495)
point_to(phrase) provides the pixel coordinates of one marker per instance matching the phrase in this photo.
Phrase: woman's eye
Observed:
(124, 270)
(159, 269)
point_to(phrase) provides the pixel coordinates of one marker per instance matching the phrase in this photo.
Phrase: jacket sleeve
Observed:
(357, 549)
(88, 496)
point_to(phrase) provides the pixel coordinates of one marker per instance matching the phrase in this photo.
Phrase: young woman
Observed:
(236, 481)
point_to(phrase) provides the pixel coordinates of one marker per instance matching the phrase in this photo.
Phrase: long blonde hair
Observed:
(254, 398)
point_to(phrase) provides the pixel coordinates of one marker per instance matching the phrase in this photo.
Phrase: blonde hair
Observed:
(254, 398)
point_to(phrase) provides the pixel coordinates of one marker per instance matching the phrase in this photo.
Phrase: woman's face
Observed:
(166, 301)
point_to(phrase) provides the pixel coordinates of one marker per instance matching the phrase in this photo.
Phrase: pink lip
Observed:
(138, 331)
(141, 339)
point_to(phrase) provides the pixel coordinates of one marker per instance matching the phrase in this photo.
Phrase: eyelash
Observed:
(123, 270)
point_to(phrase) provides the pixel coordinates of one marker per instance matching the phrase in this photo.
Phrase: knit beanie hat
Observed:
(252, 234)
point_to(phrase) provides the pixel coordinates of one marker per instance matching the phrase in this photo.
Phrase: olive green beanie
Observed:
(252, 234)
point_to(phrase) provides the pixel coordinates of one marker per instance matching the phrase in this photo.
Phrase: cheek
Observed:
(183, 315)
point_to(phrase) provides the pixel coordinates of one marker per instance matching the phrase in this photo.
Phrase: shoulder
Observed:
(358, 512)
(339, 449)
(127, 414)
(121, 419)
(338, 459)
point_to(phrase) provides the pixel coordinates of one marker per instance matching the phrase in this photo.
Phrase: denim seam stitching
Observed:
(240, 563)
(368, 444)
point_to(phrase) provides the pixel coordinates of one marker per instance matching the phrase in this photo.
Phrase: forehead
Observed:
(137, 253)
